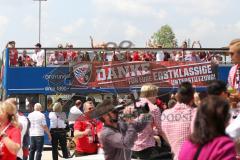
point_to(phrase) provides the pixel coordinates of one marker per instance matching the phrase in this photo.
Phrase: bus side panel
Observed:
(223, 71)
(30, 80)
(4, 71)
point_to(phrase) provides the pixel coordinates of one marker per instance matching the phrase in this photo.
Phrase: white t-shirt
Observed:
(24, 122)
(57, 120)
(37, 120)
(39, 58)
(160, 56)
(74, 113)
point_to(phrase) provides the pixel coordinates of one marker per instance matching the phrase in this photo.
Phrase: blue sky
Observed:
(213, 22)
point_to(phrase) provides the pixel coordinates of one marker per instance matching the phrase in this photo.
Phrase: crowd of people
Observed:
(189, 126)
(68, 55)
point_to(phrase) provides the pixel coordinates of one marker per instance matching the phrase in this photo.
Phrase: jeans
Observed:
(59, 137)
(36, 145)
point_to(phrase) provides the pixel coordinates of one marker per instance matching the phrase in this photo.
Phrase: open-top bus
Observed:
(101, 73)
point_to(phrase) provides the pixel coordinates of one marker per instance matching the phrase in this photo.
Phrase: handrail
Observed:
(145, 49)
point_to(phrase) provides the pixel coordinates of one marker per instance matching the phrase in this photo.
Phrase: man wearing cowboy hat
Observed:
(117, 137)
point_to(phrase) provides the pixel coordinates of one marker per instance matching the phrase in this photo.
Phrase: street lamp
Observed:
(39, 20)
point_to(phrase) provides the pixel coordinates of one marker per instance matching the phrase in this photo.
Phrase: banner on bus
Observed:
(135, 74)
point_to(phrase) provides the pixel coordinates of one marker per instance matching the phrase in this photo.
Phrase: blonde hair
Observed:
(38, 107)
(12, 100)
(11, 111)
(149, 90)
(57, 107)
(235, 47)
(234, 41)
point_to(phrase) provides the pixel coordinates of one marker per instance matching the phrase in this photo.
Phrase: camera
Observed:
(142, 109)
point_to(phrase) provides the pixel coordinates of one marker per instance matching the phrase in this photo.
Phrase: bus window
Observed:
(26, 102)
(97, 97)
(66, 101)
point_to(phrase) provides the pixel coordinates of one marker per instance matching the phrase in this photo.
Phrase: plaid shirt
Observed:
(145, 138)
(232, 77)
(177, 125)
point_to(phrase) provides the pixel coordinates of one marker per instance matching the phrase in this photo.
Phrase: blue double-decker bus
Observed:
(100, 73)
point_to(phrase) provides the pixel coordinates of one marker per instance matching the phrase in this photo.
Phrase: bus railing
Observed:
(67, 56)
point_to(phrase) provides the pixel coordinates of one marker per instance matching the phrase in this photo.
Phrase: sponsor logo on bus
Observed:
(83, 72)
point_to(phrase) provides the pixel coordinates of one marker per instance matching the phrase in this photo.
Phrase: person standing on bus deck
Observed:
(13, 53)
(39, 56)
(57, 130)
(74, 113)
(38, 126)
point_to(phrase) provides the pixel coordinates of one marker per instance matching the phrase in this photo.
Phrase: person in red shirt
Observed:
(24, 59)
(13, 53)
(85, 132)
(10, 133)
(71, 55)
(136, 56)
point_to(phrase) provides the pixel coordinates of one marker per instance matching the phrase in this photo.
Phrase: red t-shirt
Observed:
(65, 54)
(71, 54)
(86, 143)
(14, 134)
(13, 56)
(136, 56)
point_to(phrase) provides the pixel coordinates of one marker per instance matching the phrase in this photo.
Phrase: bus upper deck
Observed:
(34, 75)
(51, 71)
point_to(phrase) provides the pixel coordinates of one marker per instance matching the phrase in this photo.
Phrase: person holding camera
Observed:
(118, 135)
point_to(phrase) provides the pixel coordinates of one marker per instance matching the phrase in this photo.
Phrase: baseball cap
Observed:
(11, 42)
(38, 45)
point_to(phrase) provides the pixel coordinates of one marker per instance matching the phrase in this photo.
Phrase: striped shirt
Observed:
(145, 138)
(176, 124)
(232, 77)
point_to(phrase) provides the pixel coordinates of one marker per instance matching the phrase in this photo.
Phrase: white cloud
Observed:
(29, 22)
(202, 28)
(71, 28)
(234, 28)
(68, 29)
(132, 32)
(188, 7)
(210, 21)
(198, 30)
(80, 22)
(130, 8)
(3, 24)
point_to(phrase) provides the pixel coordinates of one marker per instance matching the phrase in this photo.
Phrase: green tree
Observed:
(164, 37)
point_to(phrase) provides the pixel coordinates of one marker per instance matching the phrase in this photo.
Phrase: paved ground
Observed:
(47, 155)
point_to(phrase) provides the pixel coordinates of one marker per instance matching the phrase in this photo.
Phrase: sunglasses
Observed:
(231, 53)
(90, 108)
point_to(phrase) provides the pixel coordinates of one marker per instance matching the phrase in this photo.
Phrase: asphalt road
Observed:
(47, 155)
